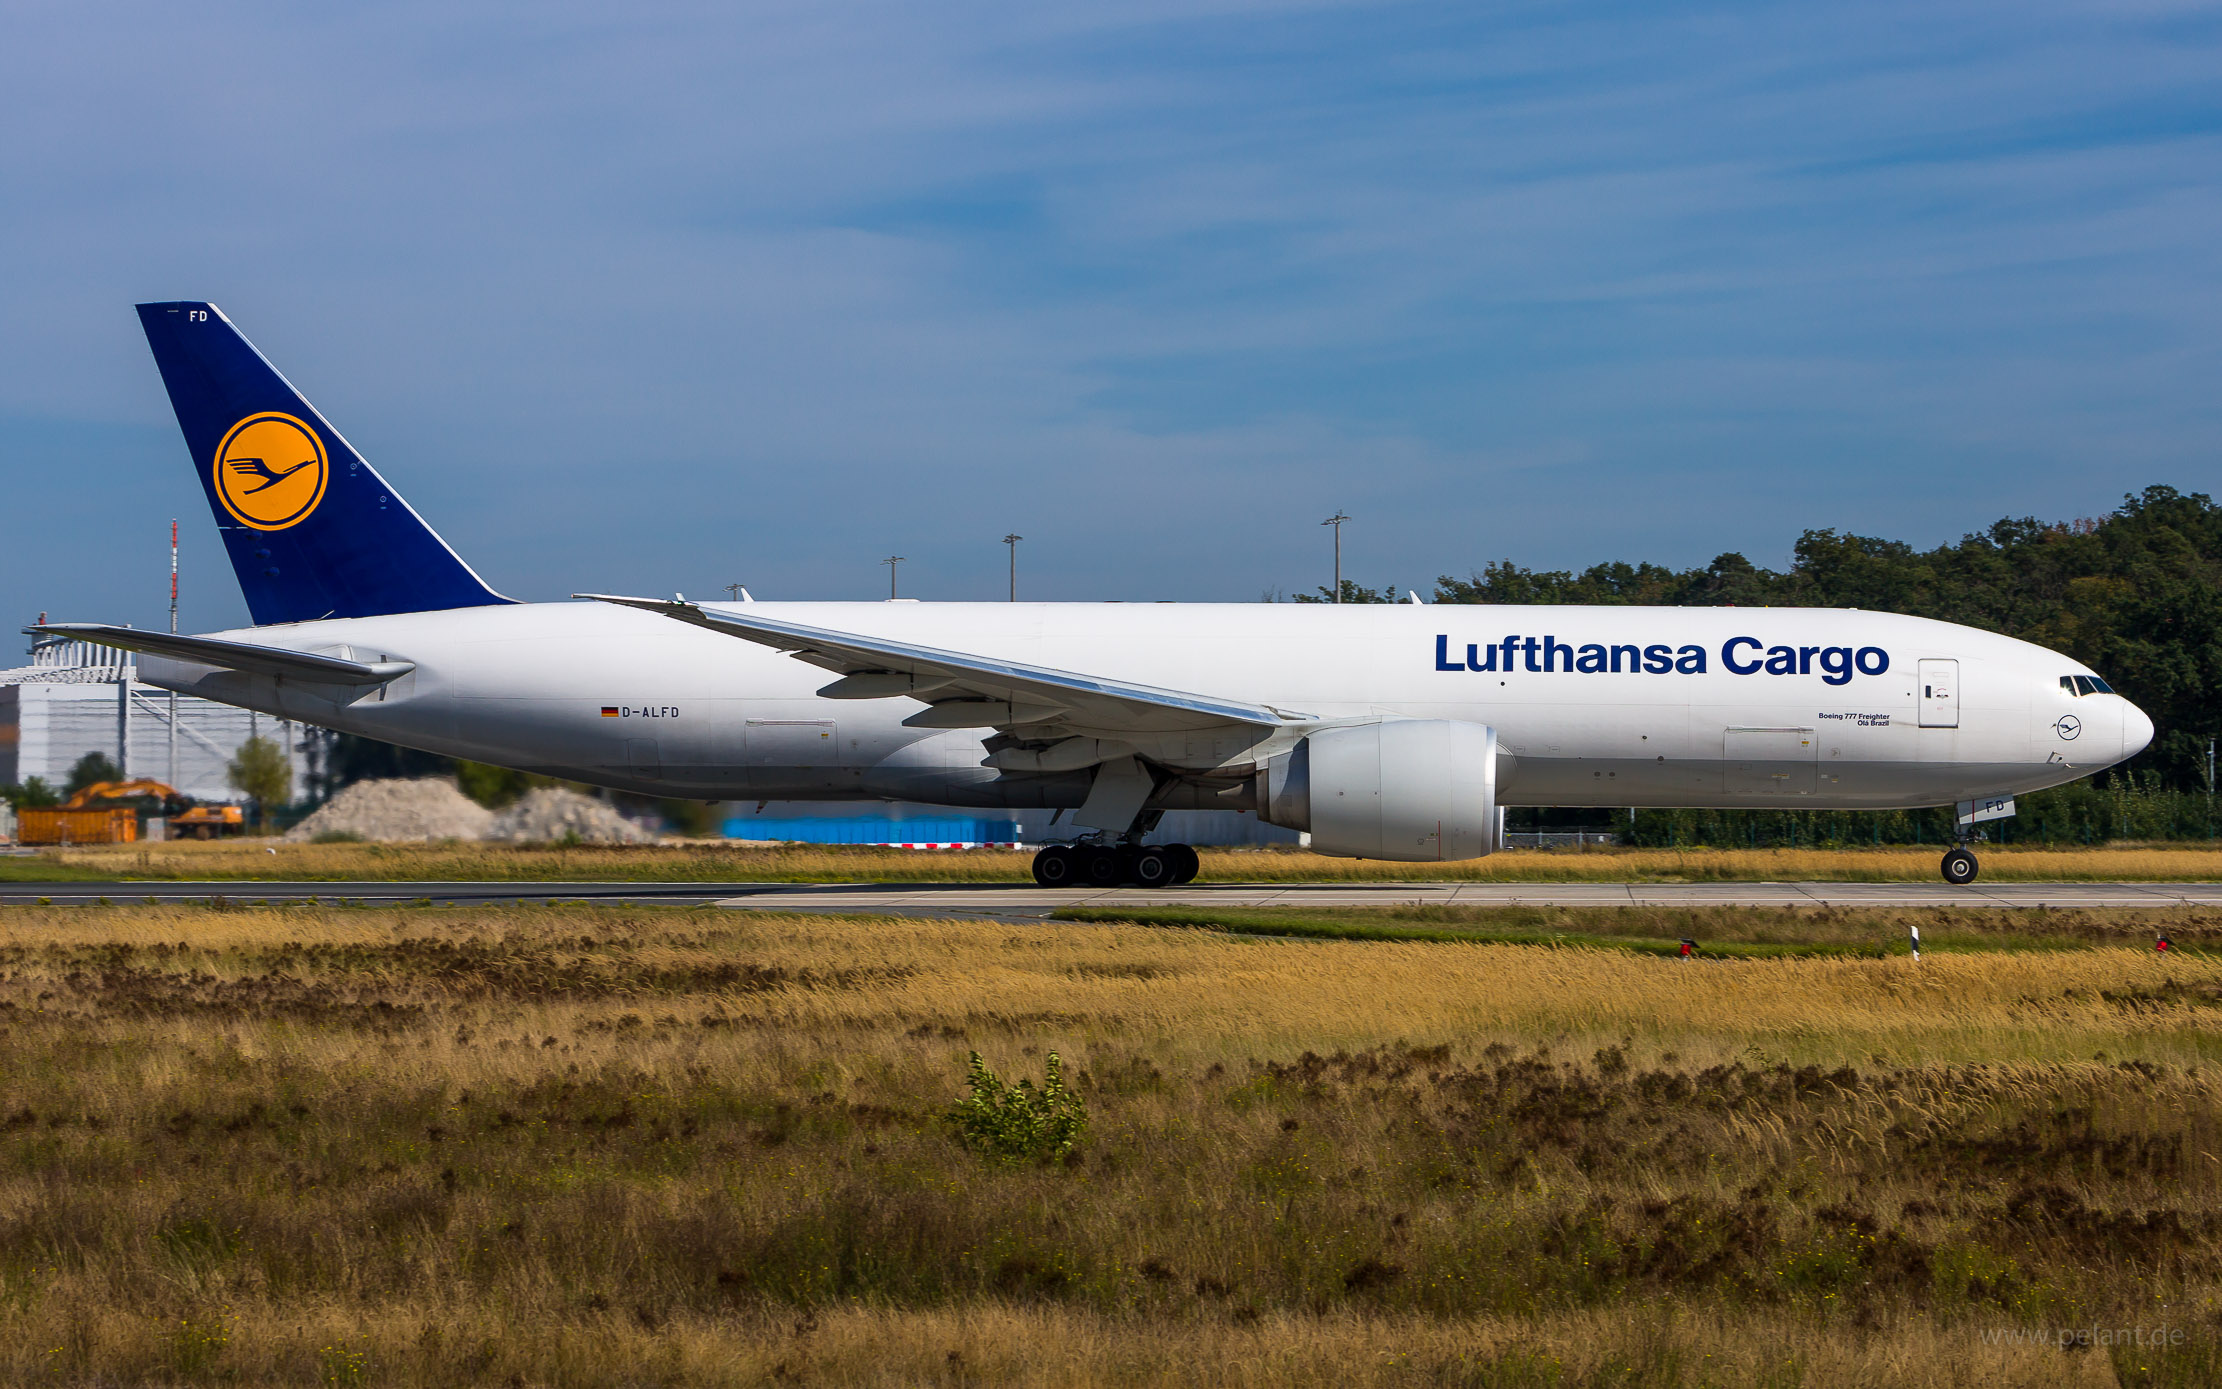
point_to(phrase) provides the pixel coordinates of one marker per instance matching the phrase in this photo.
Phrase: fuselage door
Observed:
(1776, 762)
(796, 742)
(1940, 694)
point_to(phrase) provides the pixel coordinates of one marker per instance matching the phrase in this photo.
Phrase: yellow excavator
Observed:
(79, 820)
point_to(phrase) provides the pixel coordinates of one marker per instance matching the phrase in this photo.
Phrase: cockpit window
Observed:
(2099, 686)
(2085, 685)
(2067, 682)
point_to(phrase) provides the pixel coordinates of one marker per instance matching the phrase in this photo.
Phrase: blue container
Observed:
(875, 829)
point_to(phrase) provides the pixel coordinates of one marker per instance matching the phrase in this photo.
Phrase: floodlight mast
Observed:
(1336, 521)
(173, 632)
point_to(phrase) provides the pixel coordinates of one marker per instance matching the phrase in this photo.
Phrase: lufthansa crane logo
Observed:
(271, 470)
(2068, 726)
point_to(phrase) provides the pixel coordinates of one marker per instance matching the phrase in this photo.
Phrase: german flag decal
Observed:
(609, 711)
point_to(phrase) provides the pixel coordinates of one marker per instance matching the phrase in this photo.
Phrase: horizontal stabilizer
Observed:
(230, 655)
(1092, 701)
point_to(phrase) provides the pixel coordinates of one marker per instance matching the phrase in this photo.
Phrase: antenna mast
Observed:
(173, 632)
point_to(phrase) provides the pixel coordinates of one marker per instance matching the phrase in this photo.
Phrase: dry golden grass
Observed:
(463, 861)
(1715, 932)
(1206, 996)
(696, 861)
(582, 1146)
(1002, 1342)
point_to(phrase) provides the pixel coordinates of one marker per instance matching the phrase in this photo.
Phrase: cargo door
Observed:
(1940, 694)
(1772, 762)
(792, 743)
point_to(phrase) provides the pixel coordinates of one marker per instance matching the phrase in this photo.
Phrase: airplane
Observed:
(1398, 732)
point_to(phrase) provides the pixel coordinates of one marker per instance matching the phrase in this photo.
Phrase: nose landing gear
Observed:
(1111, 865)
(1959, 863)
(1960, 866)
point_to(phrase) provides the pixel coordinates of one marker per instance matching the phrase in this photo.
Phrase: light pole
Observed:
(174, 694)
(891, 561)
(1012, 540)
(1336, 521)
(733, 591)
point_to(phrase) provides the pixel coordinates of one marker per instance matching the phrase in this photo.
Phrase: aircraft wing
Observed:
(230, 655)
(958, 683)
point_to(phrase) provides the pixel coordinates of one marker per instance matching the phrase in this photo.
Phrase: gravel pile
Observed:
(548, 814)
(391, 811)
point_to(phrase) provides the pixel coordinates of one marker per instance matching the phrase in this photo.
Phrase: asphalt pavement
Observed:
(1025, 900)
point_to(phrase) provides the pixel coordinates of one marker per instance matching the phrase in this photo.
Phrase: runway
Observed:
(373, 894)
(1026, 901)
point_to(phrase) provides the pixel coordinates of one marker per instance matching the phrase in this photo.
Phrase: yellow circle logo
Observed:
(270, 471)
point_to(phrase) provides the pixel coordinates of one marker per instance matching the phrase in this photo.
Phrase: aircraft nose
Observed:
(2137, 730)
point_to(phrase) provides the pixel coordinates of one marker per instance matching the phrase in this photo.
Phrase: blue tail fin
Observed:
(312, 530)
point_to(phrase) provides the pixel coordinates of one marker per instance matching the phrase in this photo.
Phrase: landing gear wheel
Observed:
(1103, 867)
(1056, 866)
(1185, 863)
(1154, 867)
(1959, 868)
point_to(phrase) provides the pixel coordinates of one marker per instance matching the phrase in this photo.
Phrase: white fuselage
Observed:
(1955, 713)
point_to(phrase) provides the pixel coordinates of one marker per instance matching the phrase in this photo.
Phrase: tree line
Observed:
(2135, 594)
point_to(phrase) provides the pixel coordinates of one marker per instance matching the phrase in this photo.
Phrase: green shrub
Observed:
(337, 837)
(263, 773)
(90, 770)
(34, 793)
(1019, 1122)
(494, 787)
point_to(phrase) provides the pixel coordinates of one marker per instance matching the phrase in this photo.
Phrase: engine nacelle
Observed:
(1415, 790)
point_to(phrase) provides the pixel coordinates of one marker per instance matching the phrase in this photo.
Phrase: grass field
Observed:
(696, 861)
(539, 1145)
(1750, 933)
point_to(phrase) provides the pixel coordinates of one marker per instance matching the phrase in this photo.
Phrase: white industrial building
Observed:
(74, 698)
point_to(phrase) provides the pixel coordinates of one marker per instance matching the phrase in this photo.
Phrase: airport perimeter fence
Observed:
(2128, 808)
(1559, 839)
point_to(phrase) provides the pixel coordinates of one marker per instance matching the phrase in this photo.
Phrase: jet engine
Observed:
(1414, 790)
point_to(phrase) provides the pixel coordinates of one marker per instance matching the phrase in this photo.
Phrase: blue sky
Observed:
(662, 297)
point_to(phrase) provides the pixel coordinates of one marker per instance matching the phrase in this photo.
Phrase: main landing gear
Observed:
(1114, 865)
